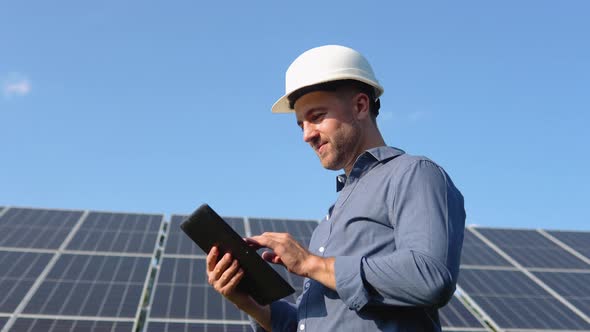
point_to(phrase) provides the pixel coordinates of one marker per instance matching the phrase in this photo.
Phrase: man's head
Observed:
(321, 67)
(333, 91)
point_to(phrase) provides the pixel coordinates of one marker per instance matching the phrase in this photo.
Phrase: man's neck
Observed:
(372, 141)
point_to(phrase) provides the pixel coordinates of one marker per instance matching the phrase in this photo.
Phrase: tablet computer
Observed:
(206, 228)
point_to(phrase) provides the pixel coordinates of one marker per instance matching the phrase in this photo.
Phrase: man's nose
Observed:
(309, 132)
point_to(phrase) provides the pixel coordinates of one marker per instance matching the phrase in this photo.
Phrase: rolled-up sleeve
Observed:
(428, 217)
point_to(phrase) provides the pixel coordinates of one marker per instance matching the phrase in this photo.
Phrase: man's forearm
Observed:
(322, 270)
(260, 313)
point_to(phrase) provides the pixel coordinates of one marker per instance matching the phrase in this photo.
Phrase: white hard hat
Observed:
(325, 64)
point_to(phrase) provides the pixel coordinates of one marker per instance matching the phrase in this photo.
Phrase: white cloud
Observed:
(16, 85)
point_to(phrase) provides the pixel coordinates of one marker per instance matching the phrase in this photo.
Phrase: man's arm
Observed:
(422, 271)
(428, 218)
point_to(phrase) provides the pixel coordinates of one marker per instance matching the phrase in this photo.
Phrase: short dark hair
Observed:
(333, 86)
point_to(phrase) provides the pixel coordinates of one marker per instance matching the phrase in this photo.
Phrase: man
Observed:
(387, 255)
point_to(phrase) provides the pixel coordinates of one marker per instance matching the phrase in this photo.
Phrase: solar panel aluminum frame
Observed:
(480, 312)
(565, 246)
(152, 293)
(145, 293)
(465, 303)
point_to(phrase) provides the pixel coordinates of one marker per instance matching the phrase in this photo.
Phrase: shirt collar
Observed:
(369, 158)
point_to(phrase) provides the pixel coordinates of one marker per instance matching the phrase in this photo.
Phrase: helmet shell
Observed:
(324, 64)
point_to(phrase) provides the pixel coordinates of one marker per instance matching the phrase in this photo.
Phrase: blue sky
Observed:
(159, 106)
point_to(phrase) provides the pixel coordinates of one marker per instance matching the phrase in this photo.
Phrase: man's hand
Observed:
(297, 259)
(225, 276)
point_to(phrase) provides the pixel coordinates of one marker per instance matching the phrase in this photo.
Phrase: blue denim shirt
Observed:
(396, 233)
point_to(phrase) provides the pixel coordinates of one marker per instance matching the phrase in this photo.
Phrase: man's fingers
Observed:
(270, 256)
(219, 268)
(212, 259)
(226, 278)
(267, 239)
(252, 243)
(232, 283)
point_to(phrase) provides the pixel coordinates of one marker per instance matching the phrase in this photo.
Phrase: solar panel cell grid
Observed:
(182, 292)
(3, 321)
(476, 252)
(456, 315)
(36, 228)
(575, 287)
(579, 241)
(180, 244)
(18, 272)
(300, 230)
(513, 300)
(185, 327)
(85, 285)
(60, 325)
(117, 232)
(532, 249)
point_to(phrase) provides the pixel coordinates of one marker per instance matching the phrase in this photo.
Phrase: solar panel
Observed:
(3, 321)
(579, 241)
(476, 252)
(300, 229)
(117, 232)
(532, 249)
(182, 292)
(184, 327)
(573, 286)
(455, 315)
(18, 272)
(92, 286)
(178, 243)
(36, 228)
(62, 325)
(513, 301)
(104, 289)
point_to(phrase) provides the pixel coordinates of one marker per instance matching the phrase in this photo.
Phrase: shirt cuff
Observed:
(349, 281)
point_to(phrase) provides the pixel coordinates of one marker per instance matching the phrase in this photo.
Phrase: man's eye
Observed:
(316, 117)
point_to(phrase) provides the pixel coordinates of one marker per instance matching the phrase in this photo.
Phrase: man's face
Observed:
(330, 127)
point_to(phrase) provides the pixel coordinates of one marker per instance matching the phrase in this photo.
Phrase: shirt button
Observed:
(302, 327)
(322, 249)
(307, 285)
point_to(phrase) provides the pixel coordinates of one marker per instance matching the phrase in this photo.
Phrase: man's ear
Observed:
(361, 106)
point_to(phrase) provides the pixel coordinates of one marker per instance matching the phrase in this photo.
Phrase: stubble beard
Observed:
(341, 149)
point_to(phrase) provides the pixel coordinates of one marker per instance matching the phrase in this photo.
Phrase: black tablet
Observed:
(206, 228)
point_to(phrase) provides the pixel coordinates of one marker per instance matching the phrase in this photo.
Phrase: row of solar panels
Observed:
(99, 271)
